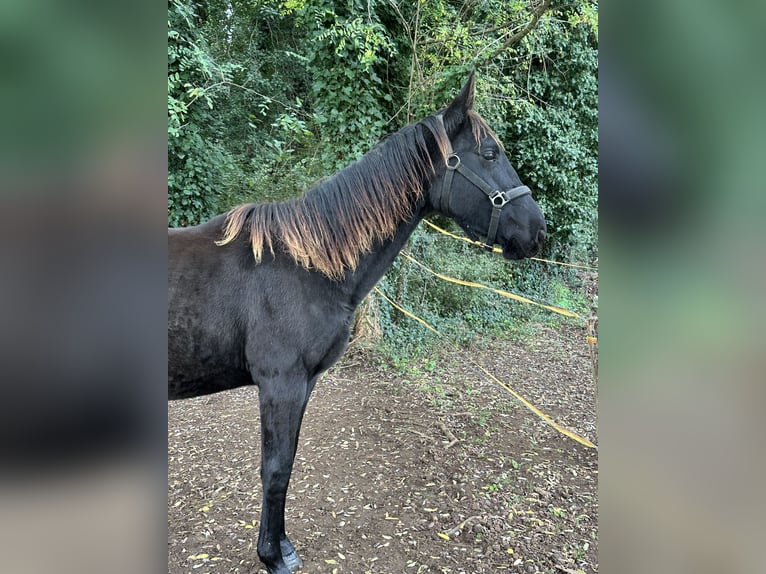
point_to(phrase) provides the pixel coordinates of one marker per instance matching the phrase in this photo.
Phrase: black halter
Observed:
(497, 197)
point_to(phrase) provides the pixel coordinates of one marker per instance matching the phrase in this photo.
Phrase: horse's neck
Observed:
(373, 265)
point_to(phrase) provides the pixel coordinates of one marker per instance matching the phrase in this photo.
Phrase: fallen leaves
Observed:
(199, 556)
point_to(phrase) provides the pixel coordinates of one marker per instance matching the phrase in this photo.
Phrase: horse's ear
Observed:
(455, 114)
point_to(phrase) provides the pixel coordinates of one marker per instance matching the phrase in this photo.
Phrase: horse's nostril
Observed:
(540, 236)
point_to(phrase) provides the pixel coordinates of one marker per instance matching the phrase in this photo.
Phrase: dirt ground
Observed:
(421, 468)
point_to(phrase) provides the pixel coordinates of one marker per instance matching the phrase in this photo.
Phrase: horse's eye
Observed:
(489, 154)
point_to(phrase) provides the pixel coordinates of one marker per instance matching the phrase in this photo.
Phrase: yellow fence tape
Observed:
(500, 292)
(498, 250)
(403, 310)
(566, 432)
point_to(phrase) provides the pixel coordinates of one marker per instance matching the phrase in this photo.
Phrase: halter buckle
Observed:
(498, 199)
(457, 163)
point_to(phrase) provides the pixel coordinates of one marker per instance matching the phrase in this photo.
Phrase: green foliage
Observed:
(196, 162)
(554, 129)
(348, 51)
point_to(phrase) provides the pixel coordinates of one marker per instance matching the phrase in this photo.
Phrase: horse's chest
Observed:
(327, 340)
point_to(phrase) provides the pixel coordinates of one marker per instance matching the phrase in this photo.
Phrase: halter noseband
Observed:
(497, 197)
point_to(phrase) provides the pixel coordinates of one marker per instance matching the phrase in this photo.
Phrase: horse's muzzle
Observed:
(519, 249)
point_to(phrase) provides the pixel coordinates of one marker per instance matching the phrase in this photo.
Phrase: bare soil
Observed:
(426, 467)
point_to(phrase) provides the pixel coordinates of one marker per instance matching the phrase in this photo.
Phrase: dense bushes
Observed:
(266, 96)
(198, 159)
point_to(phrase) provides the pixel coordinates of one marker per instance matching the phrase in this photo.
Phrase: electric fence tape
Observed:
(498, 250)
(500, 292)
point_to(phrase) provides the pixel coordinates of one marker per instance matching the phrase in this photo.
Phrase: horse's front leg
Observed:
(282, 404)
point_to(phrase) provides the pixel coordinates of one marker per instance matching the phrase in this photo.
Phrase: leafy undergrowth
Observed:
(416, 467)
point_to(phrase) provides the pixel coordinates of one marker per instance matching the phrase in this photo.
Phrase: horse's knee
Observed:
(275, 472)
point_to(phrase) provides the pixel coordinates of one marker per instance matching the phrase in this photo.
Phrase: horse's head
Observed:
(478, 187)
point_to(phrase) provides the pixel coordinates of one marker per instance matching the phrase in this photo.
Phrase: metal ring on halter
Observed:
(498, 199)
(457, 164)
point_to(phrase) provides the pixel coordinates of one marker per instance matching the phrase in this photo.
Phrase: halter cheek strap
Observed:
(497, 197)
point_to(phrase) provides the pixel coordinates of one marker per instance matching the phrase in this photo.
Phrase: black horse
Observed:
(265, 294)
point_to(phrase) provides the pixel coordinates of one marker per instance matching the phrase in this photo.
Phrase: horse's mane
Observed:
(338, 220)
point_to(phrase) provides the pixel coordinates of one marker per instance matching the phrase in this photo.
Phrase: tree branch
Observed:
(537, 13)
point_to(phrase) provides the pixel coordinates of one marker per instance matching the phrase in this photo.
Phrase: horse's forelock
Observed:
(480, 129)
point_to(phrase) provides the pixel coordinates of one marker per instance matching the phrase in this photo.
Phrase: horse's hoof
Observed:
(280, 568)
(293, 561)
(284, 567)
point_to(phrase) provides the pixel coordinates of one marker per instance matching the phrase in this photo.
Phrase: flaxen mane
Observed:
(334, 223)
